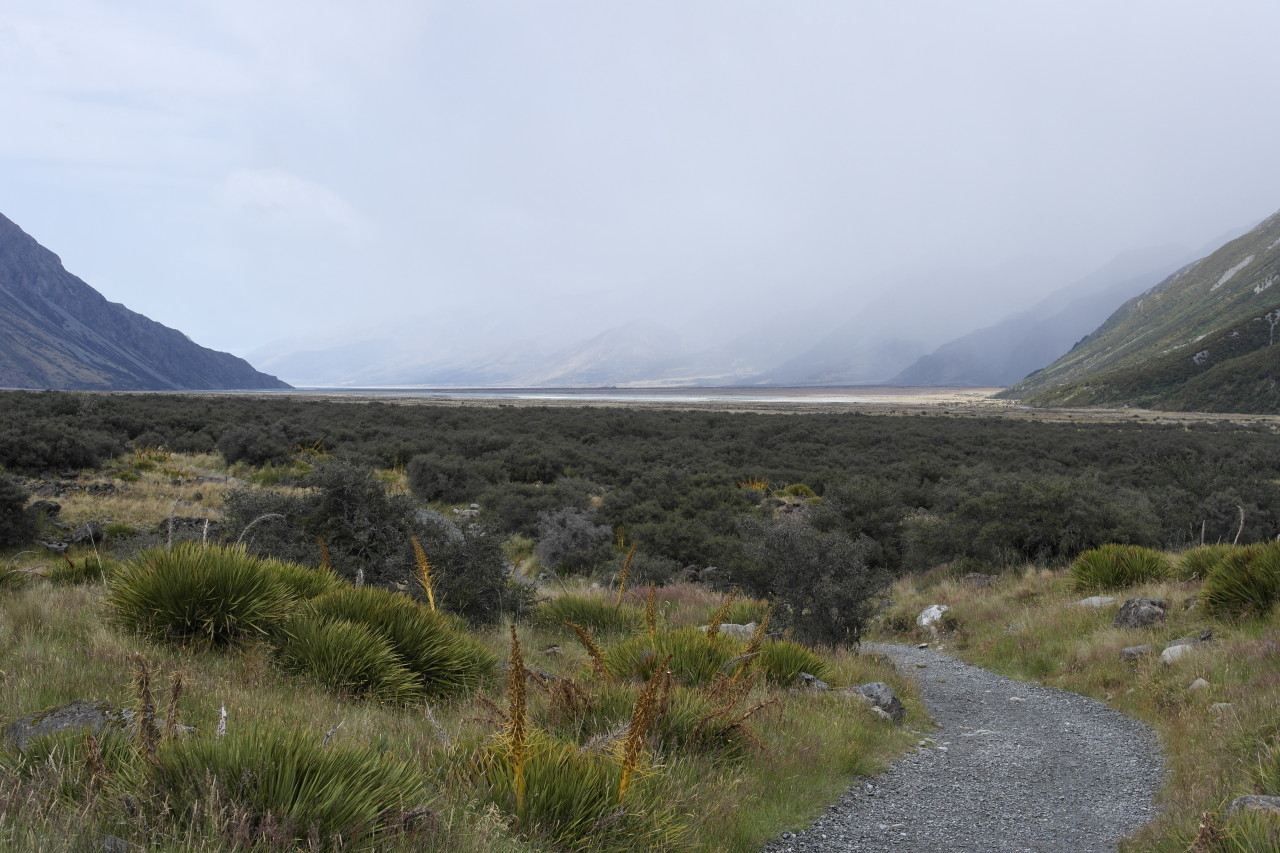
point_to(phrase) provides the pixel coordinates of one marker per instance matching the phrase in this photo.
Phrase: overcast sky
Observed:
(246, 171)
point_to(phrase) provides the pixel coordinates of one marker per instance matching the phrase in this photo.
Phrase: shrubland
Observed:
(349, 575)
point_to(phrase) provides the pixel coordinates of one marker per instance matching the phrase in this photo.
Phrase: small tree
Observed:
(824, 586)
(17, 526)
(570, 541)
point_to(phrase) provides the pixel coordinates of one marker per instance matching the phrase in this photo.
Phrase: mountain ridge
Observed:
(57, 332)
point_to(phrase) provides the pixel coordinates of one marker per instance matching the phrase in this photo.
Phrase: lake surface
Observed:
(588, 396)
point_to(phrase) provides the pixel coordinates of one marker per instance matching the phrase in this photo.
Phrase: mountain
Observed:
(1026, 341)
(910, 318)
(1202, 339)
(58, 332)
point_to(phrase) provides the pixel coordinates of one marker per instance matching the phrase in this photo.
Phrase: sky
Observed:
(249, 172)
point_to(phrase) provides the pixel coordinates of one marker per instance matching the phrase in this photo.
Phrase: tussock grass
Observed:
(602, 616)
(1113, 566)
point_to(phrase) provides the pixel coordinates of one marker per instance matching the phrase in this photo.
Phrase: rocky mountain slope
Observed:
(1202, 339)
(58, 332)
(1005, 352)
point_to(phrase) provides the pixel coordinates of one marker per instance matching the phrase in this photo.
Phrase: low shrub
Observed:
(571, 799)
(337, 796)
(782, 661)
(215, 595)
(431, 644)
(347, 658)
(744, 611)
(1196, 563)
(694, 658)
(1245, 582)
(88, 570)
(17, 526)
(1115, 566)
(597, 614)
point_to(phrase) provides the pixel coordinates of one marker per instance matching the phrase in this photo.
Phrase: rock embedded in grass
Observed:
(1136, 652)
(1095, 601)
(931, 616)
(1254, 803)
(1141, 613)
(880, 696)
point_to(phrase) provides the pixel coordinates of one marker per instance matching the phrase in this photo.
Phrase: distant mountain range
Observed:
(907, 336)
(57, 332)
(1203, 339)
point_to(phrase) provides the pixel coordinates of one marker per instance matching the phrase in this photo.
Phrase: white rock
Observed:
(1221, 707)
(1095, 601)
(931, 616)
(1175, 653)
(1199, 684)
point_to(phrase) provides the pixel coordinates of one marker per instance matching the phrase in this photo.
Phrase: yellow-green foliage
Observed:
(695, 657)
(597, 614)
(571, 800)
(346, 657)
(430, 643)
(1196, 563)
(343, 797)
(782, 661)
(1245, 582)
(215, 595)
(1118, 566)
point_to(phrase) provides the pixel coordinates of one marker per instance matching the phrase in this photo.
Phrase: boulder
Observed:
(880, 696)
(1094, 601)
(1221, 708)
(1135, 652)
(85, 716)
(1199, 684)
(89, 534)
(1173, 654)
(812, 681)
(44, 509)
(1254, 803)
(931, 616)
(1140, 613)
(730, 629)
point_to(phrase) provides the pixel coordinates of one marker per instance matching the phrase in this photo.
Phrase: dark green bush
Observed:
(445, 479)
(1245, 582)
(1196, 563)
(595, 613)
(572, 800)
(782, 662)
(215, 595)
(348, 658)
(433, 645)
(17, 526)
(255, 445)
(345, 797)
(1113, 566)
(825, 588)
(695, 658)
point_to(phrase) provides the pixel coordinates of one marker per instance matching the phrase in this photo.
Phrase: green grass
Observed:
(1112, 567)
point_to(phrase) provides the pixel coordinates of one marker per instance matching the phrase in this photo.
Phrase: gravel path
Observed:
(1014, 767)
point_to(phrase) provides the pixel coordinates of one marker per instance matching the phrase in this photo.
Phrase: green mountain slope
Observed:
(1202, 339)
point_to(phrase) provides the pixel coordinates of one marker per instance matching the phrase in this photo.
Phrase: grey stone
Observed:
(1141, 613)
(931, 616)
(741, 632)
(1254, 803)
(91, 533)
(881, 696)
(1135, 652)
(1173, 654)
(813, 682)
(44, 508)
(113, 844)
(977, 580)
(87, 716)
(1221, 707)
(1094, 601)
(1199, 684)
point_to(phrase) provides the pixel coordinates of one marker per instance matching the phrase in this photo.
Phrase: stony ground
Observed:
(1014, 767)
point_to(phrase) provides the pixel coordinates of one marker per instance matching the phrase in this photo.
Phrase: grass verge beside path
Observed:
(1220, 741)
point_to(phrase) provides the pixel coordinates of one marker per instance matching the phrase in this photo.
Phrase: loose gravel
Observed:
(1014, 767)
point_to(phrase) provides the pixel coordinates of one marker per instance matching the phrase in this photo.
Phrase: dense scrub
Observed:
(914, 491)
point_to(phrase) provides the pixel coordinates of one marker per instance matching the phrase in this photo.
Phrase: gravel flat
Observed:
(1014, 767)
